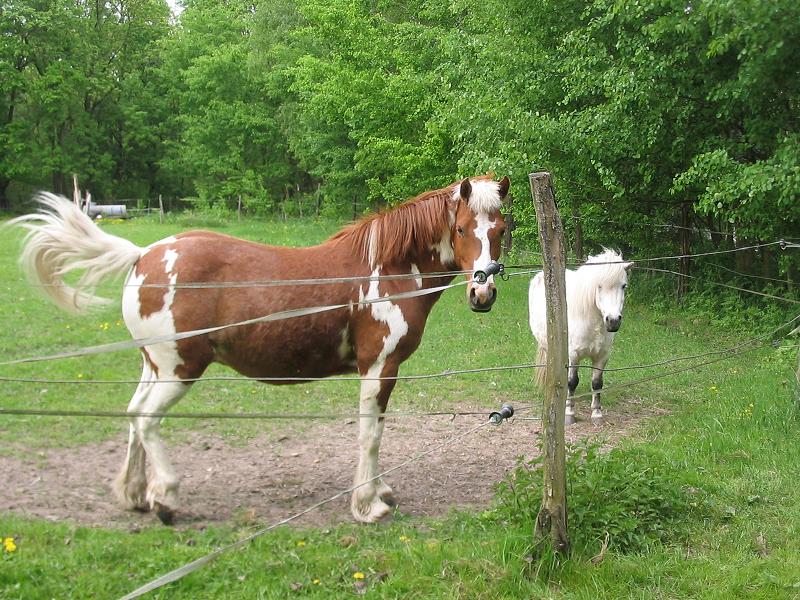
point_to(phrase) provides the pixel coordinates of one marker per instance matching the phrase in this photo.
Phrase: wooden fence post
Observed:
(76, 192)
(160, 209)
(796, 331)
(239, 209)
(552, 519)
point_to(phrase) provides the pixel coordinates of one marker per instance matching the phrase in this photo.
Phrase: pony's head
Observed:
(477, 228)
(609, 273)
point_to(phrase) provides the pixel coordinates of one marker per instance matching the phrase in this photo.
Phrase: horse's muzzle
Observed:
(613, 324)
(478, 304)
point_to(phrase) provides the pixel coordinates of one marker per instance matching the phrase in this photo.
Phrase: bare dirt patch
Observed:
(273, 477)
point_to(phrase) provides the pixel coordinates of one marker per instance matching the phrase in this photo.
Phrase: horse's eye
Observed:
(624, 285)
(460, 230)
(502, 232)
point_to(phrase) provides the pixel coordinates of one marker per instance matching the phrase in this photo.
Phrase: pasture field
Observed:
(700, 501)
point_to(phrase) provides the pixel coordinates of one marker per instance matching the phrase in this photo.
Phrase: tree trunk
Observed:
(578, 226)
(5, 202)
(683, 262)
(510, 225)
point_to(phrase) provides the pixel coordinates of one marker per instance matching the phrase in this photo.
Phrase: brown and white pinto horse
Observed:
(457, 228)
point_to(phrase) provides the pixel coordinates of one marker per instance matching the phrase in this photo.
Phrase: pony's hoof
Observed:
(597, 417)
(389, 499)
(165, 514)
(569, 420)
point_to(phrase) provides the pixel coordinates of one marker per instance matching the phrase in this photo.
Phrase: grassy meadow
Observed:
(700, 502)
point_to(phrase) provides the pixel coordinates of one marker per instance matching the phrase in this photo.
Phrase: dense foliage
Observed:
(616, 499)
(663, 121)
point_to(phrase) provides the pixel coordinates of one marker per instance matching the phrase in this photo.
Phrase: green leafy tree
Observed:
(66, 66)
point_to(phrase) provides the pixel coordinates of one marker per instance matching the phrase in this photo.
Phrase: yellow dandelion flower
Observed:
(9, 544)
(316, 582)
(358, 575)
(301, 543)
(80, 375)
(404, 538)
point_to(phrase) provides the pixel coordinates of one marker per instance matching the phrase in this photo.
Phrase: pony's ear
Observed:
(466, 189)
(505, 183)
(628, 266)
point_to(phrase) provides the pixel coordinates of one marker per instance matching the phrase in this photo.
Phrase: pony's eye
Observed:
(460, 230)
(624, 285)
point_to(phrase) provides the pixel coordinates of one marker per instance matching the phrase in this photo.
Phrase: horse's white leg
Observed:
(374, 500)
(162, 488)
(597, 384)
(130, 486)
(572, 384)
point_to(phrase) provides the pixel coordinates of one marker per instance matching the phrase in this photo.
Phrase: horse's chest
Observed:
(587, 340)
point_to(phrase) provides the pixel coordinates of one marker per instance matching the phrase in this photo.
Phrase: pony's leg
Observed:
(162, 488)
(373, 500)
(130, 486)
(572, 384)
(597, 385)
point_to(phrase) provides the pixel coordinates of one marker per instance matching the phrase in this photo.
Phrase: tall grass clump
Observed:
(620, 500)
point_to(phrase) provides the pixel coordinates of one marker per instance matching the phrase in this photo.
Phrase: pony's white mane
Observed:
(485, 196)
(606, 268)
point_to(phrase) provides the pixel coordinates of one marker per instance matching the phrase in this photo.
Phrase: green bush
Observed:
(628, 498)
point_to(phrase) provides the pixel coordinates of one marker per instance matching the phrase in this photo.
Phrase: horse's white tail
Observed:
(61, 239)
(540, 372)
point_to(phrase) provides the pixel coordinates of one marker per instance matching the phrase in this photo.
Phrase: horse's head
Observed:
(611, 281)
(477, 229)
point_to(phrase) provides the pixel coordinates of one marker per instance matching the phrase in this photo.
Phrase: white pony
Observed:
(595, 296)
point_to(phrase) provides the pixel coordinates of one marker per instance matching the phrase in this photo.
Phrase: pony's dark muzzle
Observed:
(482, 302)
(613, 323)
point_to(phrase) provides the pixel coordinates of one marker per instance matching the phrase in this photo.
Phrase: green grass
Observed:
(729, 443)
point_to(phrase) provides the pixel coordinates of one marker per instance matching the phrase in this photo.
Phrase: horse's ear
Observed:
(505, 183)
(628, 266)
(466, 189)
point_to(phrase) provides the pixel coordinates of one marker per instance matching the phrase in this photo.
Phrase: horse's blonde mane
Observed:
(485, 196)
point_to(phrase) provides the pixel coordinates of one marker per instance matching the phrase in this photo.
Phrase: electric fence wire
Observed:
(748, 345)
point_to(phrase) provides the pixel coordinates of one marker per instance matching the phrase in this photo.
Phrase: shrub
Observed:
(630, 496)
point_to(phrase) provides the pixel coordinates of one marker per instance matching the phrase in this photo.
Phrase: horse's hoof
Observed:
(569, 420)
(164, 513)
(376, 512)
(597, 418)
